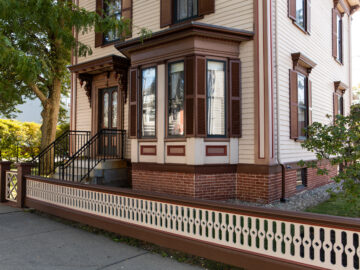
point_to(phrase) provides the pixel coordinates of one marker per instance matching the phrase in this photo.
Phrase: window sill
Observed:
(300, 28)
(180, 139)
(187, 20)
(147, 140)
(338, 61)
(216, 139)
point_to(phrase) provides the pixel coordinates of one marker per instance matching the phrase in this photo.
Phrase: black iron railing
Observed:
(106, 144)
(58, 152)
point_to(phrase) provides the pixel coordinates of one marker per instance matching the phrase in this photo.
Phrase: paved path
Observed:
(32, 242)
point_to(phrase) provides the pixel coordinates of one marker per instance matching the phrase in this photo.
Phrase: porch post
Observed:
(4, 166)
(22, 170)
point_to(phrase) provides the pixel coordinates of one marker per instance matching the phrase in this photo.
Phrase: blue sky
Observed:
(32, 109)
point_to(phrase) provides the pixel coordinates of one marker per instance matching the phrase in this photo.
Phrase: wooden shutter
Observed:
(189, 95)
(99, 35)
(334, 33)
(308, 16)
(292, 9)
(166, 12)
(235, 98)
(206, 7)
(200, 96)
(336, 104)
(309, 102)
(294, 129)
(133, 114)
(126, 13)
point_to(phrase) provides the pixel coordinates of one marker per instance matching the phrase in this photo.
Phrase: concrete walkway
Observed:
(32, 242)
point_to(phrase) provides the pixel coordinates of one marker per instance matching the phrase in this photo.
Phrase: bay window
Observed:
(148, 105)
(216, 98)
(176, 99)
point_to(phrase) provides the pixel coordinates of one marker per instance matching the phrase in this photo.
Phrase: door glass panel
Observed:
(106, 110)
(114, 110)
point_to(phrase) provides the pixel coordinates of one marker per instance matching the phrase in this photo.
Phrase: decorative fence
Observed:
(305, 240)
(11, 186)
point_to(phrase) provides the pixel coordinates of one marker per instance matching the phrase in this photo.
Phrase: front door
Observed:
(108, 120)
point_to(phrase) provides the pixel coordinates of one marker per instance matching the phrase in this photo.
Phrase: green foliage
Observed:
(19, 140)
(340, 143)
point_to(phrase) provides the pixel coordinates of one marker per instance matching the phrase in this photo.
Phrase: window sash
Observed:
(110, 36)
(176, 99)
(148, 102)
(339, 38)
(216, 99)
(300, 13)
(302, 105)
(191, 10)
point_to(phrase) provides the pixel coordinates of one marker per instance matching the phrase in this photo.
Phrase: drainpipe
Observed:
(278, 158)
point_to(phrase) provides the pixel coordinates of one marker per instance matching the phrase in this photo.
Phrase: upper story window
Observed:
(112, 8)
(148, 102)
(216, 98)
(299, 12)
(337, 35)
(175, 11)
(185, 9)
(176, 99)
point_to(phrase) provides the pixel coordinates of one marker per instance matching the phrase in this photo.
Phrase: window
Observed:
(148, 99)
(302, 105)
(340, 89)
(300, 13)
(339, 38)
(216, 98)
(112, 8)
(341, 105)
(301, 178)
(176, 99)
(185, 9)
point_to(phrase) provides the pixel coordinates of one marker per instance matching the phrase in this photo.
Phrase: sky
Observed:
(32, 108)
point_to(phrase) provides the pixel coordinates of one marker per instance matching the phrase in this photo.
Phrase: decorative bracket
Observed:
(87, 78)
(121, 76)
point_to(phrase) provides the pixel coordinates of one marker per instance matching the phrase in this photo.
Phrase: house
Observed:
(214, 103)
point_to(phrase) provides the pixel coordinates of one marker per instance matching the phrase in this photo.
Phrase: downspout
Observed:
(278, 157)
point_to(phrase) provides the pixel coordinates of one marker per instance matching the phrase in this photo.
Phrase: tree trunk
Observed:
(50, 115)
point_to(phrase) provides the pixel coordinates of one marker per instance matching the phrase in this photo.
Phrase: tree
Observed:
(36, 42)
(338, 142)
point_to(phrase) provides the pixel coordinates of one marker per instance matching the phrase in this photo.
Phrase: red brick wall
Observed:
(182, 184)
(215, 186)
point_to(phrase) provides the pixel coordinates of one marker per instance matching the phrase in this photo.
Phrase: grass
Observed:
(164, 252)
(336, 206)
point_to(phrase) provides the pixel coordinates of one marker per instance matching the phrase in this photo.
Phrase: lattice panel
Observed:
(11, 186)
(305, 244)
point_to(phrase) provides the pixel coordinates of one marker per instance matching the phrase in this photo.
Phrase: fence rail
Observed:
(304, 239)
(11, 186)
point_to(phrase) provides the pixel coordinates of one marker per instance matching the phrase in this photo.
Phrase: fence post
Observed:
(4, 166)
(22, 170)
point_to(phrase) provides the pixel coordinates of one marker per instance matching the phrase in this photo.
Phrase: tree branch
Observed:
(38, 93)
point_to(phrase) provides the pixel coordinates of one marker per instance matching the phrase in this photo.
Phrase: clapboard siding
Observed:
(317, 47)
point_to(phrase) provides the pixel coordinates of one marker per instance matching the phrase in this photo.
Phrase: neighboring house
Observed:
(214, 103)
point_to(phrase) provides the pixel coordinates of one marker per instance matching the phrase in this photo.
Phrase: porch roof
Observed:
(108, 63)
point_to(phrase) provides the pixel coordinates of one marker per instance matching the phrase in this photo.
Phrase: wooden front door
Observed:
(109, 115)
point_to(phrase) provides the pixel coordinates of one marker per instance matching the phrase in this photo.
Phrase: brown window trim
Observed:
(302, 63)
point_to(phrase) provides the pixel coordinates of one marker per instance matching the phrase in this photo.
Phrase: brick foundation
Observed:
(259, 187)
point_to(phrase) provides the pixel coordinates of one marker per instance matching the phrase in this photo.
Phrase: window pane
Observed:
(186, 9)
(176, 100)
(216, 98)
(339, 38)
(114, 110)
(301, 90)
(148, 102)
(106, 110)
(302, 111)
(300, 12)
(113, 9)
(340, 105)
(302, 121)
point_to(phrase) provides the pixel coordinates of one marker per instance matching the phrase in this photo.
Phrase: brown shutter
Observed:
(309, 101)
(200, 96)
(206, 7)
(166, 13)
(133, 114)
(126, 13)
(308, 16)
(235, 98)
(292, 9)
(336, 104)
(189, 95)
(334, 33)
(294, 130)
(99, 35)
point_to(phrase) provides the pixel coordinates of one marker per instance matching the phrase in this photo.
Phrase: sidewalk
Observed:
(32, 242)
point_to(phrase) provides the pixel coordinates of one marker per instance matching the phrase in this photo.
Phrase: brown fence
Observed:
(248, 237)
